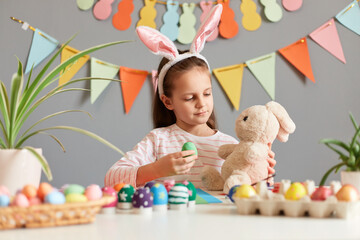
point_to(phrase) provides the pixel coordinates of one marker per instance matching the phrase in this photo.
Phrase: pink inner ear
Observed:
(206, 29)
(157, 42)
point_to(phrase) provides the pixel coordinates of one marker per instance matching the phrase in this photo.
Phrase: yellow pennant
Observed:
(230, 78)
(73, 68)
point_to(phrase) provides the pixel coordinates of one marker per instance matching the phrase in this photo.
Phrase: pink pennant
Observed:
(154, 74)
(327, 37)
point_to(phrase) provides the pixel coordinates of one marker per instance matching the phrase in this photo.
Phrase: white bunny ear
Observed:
(207, 27)
(158, 43)
(287, 126)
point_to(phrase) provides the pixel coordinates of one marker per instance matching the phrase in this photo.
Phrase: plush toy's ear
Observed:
(287, 126)
(158, 43)
(207, 27)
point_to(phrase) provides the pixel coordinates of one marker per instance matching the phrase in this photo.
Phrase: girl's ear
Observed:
(167, 102)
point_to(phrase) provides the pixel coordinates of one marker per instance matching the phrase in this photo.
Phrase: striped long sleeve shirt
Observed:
(161, 142)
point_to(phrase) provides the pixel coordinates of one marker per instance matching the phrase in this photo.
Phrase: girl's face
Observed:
(191, 100)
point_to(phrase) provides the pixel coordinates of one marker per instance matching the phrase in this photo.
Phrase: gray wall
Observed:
(319, 110)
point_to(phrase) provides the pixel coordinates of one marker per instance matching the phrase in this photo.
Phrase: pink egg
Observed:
(20, 200)
(4, 191)
(34, 201)
(109, 191)
(93, 192)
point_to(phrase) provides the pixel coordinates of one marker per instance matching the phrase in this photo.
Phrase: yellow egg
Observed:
(347, 193)
(245, 191)
(295, 191)
(75, 197)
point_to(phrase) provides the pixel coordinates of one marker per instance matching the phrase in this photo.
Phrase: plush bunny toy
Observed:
(246, 162)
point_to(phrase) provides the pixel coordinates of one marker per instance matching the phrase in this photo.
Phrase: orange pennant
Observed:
(73, 68)
(298, 55)
(132, 81)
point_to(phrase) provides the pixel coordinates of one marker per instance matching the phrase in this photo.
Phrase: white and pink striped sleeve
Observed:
(125, 170)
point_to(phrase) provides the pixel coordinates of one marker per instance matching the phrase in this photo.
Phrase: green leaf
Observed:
(335, 142)
(79, 130)
(43, 162)
(335, 150)
(5, 107)
(2, 142)
(323, 180)
(356, 135)
(29, 78)
(56, 139)
(353, 121)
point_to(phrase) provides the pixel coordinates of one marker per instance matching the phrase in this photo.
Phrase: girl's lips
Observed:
(200, 113)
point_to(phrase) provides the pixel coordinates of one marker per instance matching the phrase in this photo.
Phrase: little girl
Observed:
(182, 112)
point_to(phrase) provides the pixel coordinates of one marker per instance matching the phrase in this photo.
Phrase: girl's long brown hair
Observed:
(163, 117)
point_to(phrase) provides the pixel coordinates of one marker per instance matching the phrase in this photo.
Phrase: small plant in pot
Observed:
(20, 102)
(349, 155)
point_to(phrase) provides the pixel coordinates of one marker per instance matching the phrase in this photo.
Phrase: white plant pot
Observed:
(19, 167)
(352, 178)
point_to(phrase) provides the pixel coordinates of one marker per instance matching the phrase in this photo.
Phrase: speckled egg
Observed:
(55, 197)
(159, 193)
(29, 191)
(75, 198)
(347, 193)
(321, 193)
(109, 191)
(245, 191)
(295, 192)
(20, 200)
(44, 189)
(4, 200)
(74, 188)
(142, 198)
(4, 191)
(232, 192)
(189, 146)
(93, 192)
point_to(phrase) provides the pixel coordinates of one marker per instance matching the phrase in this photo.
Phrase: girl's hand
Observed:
(175, 163)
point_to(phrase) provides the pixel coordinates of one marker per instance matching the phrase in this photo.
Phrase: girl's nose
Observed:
(200, 103)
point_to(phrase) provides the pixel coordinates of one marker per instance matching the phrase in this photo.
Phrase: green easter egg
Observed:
(74, 188)
(189, 146)
(75, 198)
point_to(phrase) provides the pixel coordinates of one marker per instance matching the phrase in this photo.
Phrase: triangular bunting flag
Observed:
(350, 17)
(73, 68)
(101, 69)
(263, 69)
(327, 36)
(298, 55)
(230, 78)
(132, 81)
(41, 47)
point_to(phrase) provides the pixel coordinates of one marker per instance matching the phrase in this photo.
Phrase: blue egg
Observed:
(232, 191)
(4, 200)
(55, 197)
(160, 194)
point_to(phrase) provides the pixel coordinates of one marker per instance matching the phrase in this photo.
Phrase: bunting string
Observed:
(229, 77)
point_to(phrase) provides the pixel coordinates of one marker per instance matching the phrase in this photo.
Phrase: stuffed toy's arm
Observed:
(225, 150)
(256, 152)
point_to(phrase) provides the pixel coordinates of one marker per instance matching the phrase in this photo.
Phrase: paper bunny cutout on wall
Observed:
(161, 45)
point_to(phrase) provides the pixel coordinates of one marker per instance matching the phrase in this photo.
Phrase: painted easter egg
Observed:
(192, 190)
(178, 196)
(4, 200)
(245, 191)
(109, 191)
(29, 191)
(74, 188)
(4, 191)
(20, 200)
(75, 198)
(347, 193)
(93, 192)
(125, 197)
(34, 201)
(321, 193)
(159, 193)
(149, 184)
(169, 183)
(55, 197)
(189, 146)
(142, 199)
(118, 186)
(44, 189)
(232, 192)
(295, 191)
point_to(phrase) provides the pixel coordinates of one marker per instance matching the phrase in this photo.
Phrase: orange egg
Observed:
(347, 193)
(29, 191)
(44, 189)
(118, 186)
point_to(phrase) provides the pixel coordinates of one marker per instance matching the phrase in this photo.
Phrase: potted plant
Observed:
(21, 164)
(349, 155)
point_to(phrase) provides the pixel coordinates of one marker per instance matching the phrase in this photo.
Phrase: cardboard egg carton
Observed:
(268, 203)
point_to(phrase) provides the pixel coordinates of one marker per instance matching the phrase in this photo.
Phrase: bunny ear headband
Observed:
(161, 45)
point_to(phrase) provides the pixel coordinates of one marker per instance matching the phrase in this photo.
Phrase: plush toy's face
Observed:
(257, 124)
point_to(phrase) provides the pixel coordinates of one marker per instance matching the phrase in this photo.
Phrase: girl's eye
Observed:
(188, 99)
(207, 94)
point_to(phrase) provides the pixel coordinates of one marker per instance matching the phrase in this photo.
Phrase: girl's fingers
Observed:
(271, 161)
(271, 154)
(271, 171)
